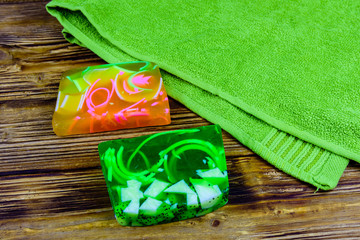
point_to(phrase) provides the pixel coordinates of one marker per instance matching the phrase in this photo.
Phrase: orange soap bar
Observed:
(110, 97)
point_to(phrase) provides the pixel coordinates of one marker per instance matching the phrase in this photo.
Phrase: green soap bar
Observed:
(167, 176)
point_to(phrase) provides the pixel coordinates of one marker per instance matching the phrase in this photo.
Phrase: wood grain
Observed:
(53, 188)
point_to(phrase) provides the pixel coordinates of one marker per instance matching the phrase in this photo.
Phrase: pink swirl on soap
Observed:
(138, 86)
(95, 93)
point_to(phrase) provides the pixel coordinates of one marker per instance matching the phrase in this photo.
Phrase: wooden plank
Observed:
(293, 214)
(287, 208)
(53, 187)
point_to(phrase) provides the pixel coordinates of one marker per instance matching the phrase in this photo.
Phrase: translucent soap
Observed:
(165, 177)
(110, 97)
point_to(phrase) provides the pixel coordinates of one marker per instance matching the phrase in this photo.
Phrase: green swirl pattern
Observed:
(165, 177)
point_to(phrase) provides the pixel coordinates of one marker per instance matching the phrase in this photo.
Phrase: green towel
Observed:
(280, 76)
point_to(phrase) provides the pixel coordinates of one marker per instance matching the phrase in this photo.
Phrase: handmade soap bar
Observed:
(110, 97)
(165, 177)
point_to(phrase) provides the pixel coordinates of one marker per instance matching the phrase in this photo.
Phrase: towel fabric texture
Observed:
(280, 76)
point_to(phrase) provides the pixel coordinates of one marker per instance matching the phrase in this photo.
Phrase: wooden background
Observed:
(53, 187)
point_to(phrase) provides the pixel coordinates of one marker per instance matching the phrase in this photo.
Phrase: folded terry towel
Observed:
(280, 76)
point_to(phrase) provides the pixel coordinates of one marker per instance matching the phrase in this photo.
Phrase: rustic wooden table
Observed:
(53, 187)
